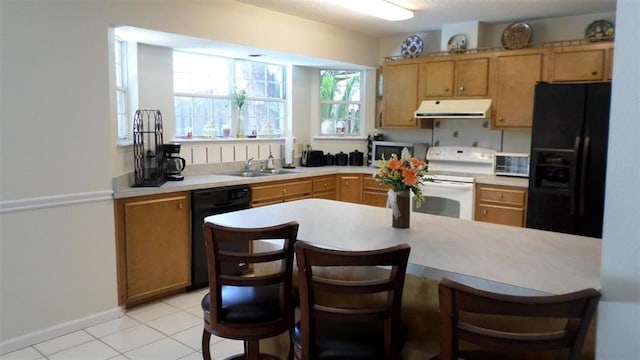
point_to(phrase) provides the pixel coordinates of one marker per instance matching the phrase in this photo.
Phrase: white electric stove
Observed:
(453, 170)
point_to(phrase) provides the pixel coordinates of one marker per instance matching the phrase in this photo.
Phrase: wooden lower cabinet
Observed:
(501, 205)
(373, 192)
(280, 191)
(324, 187)
(153, 244)
(350, 187)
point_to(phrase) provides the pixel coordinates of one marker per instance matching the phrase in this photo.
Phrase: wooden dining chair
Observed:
(460, 320)
(349, 306)
(249, 308)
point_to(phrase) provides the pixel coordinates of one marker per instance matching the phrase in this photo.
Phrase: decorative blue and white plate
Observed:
(411, 47)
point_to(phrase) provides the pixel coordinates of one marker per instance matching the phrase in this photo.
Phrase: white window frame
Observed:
(122, 89)
(360, 125)
(232, 109)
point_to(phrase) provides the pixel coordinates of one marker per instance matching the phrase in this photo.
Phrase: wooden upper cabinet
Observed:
(400, 96)
(454, 78)
(472, 77)
(582, 63)
(436, 79)
(515, 76)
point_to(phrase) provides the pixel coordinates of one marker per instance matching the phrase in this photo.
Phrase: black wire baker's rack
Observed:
(147, 148)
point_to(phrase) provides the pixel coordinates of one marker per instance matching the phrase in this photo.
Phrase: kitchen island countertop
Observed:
(495, 257)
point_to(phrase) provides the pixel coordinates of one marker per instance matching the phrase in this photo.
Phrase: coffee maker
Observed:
(173, 164)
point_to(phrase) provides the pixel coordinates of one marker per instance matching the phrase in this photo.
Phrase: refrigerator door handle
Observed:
(572, 179)
(583, 173)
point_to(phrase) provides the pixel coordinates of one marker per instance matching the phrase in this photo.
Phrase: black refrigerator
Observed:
(569, 158)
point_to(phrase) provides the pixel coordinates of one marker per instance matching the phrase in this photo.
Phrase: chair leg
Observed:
(252, 350)
(206, 351)
(290, 354)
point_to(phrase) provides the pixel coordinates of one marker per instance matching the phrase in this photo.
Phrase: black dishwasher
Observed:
(212, 202)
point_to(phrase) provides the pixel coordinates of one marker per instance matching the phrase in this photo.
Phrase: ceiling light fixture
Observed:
(378, 8)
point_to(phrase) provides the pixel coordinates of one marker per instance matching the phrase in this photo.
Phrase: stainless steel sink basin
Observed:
(262, 173)
(279, 171)
(247, 174)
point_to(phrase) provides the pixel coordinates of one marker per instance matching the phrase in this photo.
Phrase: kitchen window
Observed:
(121, 88)
(340, 102)
(204, 88)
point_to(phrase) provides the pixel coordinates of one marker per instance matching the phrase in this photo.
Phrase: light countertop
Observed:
(495, 257)
(211, 180)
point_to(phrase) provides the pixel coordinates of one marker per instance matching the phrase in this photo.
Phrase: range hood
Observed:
(454, 109)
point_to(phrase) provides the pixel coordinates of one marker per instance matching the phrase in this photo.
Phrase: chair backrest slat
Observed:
(457, 301)
(319, 278)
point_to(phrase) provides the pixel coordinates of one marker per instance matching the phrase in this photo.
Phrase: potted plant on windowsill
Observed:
(240, 98)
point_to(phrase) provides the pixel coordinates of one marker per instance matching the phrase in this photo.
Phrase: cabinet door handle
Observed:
(484, 212)
(325, 185)
(594, 73)
(284, 191)
(446, 89)
(346, 183)
(180, 206)
(501, 119)
(461, 88)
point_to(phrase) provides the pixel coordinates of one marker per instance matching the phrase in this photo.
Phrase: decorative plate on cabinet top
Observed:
(599, 29)
(411, 47)
(457, 43)
(516, 35)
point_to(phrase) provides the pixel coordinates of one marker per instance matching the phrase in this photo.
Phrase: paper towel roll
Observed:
(288, 150)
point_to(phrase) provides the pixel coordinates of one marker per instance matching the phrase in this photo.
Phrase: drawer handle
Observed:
(594, 73)
(501, 196)
(461, 88)
(325, 185)
(484, 212)
(180, 206)
(446, 89)
(346, 183)
(501, 119)
(284, 191)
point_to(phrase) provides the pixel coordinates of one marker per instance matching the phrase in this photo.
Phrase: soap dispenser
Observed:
(270, 165)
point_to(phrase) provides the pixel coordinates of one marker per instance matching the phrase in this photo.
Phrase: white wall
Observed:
(58, 148)
(619, 311)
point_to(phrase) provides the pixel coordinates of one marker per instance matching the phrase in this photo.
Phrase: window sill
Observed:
(229, 139)
(124, 143)
(339, 137)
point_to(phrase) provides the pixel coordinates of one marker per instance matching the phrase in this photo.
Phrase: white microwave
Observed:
(512, 164)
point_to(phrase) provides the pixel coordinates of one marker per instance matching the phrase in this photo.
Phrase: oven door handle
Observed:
(449, 185)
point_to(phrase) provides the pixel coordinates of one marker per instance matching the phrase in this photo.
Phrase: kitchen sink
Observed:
(262, 173)
(247, 173)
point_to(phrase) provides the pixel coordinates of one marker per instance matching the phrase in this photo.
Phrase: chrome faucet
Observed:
(247, 165)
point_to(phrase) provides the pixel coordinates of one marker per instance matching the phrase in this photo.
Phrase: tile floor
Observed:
(168, 329)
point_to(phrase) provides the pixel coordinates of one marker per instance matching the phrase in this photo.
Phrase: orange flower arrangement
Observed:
(404, 173)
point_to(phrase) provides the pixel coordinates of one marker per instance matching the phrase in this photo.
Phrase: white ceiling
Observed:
(431, 15)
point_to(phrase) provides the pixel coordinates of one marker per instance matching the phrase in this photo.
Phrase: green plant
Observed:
(240, 97)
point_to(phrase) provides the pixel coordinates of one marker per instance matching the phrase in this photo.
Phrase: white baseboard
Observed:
(58, 330)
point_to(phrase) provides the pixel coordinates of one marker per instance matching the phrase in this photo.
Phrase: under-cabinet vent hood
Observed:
(454, 109)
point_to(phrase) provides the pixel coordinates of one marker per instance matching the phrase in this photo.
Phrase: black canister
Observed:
(331, 159)
(342, 159)
(356, 158)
